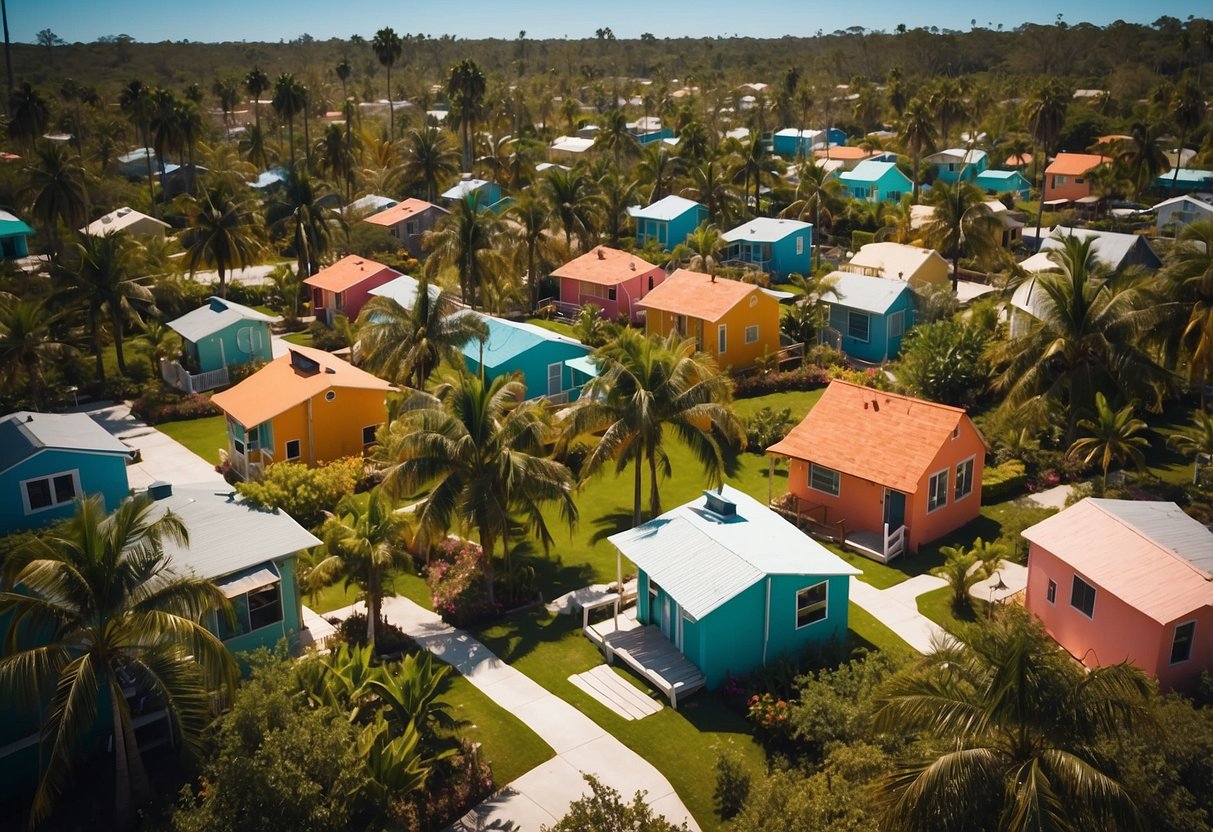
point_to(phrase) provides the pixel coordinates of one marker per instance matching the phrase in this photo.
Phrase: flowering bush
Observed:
(157, 405)
(807, 377)
(455, 577)
(768, 713)
(302, 492)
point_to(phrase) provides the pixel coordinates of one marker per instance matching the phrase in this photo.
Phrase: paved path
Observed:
(163, 458)
(542, 795)
(252, 276)
(615, 692)
(900, 613)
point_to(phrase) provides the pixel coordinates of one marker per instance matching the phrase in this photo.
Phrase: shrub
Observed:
(455, 577)
(158, 404)
(944, 362)
(390, 640)
(825, 356)
(302, 492)
(859, 239)
(1001, 482)
(732, 787)
(766, 427)
(802, 378)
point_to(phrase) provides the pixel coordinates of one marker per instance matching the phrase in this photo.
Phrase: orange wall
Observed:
(336, 425)
(738, 355)
(1072, 189)
(859, 502)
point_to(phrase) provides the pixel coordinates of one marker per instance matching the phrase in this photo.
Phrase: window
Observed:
(651, 283)
(964, 479)
(857, 325)
(811, 605)
(238, 446)
(330, 395)
(1058, 180)
(894, 196)
(1051, 592)
(338, 301)
(51, 491)
(1082, 597)
(292, 449)
(410, 227)
(264, 607)
(824, 479)
(937, 491)
(612, 292)
(1181, 644)
(897, 324)
(722, 339)
(368, 435)
(1079, 181)
(800, 245)
(751, 334)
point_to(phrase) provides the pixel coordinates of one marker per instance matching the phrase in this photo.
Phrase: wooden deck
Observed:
(644, 649)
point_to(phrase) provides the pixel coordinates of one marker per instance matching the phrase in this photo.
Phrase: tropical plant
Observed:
(710, 184)
(429, 159)
(754, 165)
(1114, 436)
(1188, 112)
(1143, 156)
(818, 195)
(257, 83)
(28, 115)
(917, 134)
(532, 226)
(466, 88)
(388, 47)
(604, 810)
(60, 192)
(964, 568)
(468, 241)
(337, 158)
(135, 100)
(1196, 441)
(658, 167)
(223, 234)
(615, 136)
(28, 343)
(108, 610)
(575, 206)
(961, 225)
(158, 341)
(1189, 270)
(290, 99)
(590, 327)
(702, 249)
(298, 210)
(1045, 114)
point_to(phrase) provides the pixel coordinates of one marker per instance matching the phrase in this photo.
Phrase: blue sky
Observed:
(272, 20)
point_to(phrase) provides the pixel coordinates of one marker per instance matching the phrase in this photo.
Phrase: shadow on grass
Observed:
(552, 575)
(520, 633)
(611, 523)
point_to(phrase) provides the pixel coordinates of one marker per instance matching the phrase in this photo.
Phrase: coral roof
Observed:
(604, 266)
(288, 380)
(845, 153)
(400, 212)
(876, 436)
(697, 295)
(1075, 164)
(347, 272)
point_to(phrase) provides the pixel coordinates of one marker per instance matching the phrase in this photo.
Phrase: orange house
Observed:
(1068, 175)
(886, 473)
(736, 323)
(307, 406)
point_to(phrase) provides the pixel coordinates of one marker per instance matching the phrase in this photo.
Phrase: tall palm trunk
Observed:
(119, 329)
(151, 185)
(124, 811)
(372, 607)
(307, 140)
(391, 111)
(1179, 160)
(35, 381)
(486, 554)
(290, 137)
(654, 492)
(638, 465)
(95, 323)
(1041, 158)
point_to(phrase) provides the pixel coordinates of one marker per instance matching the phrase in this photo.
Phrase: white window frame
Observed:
(932, 489)
(851, 315)
(1094, 596)
(823, 605)
(722, 339)
(1191, 642)
(799, 245)
(559, 366)
(898, 318)
(751, 334)
(50, 478)
(286, 450)
(813, 466)
(971, 462)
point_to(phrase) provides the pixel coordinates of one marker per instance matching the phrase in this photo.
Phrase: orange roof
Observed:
(1112, 139)
(845, 154)
(1075, 164)
(876, 436)
(604, 266)
(697, 295)
(1016, 160)
(347, 272)
(289, 380)
(400, 212)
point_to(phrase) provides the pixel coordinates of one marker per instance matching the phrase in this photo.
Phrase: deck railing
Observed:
(182, 379)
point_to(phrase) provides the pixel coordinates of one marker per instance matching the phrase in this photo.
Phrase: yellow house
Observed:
(306, 406)
(736, 323)
(920, 267)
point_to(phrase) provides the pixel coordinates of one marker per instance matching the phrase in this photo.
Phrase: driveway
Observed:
(162, 458)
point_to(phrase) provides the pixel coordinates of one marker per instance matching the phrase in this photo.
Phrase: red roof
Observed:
(348, 272)
(876, 436)
(604, 266)
(697, 295)
(846, 153)
(1075, 164)
(400, 212)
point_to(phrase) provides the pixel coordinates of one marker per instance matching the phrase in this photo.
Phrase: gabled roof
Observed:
(346, 273)
(666, 208)
(401, 211)
(604, 266)
(369, 205)
(697, 295)
(1197, 203)
(1187, 176)
(794, 133)
(464, 188)
(403, 290)
(867, 294)
(509, 339)
(956, 156)
(11, 225)
(1075, 164)
(703, 559)
(1111, 248)
(23, 434)
(894, 260)
(1001, 175)
(880, 437)
(870, 170)
(117, 221)
(1019, 160)
(571, 144)
(764, 230)
(290, 380)
(218, 314)
(1150, 555)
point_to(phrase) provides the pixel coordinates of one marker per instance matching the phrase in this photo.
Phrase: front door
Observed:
(894, 509)
(669, 617)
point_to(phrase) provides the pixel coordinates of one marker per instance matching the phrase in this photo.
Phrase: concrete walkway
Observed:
(898, 611)
(542, 795)
(162, 457)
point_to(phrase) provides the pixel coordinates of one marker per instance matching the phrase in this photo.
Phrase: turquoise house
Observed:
(668, 221)
(480, 192)
(551, 365)
(870, 315)
(224, 334)
(778, 247)
(14, 237)
(791, 143)
(956, 163)
(872, 181)
(1187, 181)
(48, 460)
(733, 586)
(1004, 181)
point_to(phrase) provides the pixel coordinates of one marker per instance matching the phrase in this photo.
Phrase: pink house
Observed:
(611, 279)
(345, 287)
(1126, 580)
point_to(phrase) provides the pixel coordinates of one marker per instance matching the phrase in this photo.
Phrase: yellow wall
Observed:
(933, 272)
(759, 308)
(336, 425)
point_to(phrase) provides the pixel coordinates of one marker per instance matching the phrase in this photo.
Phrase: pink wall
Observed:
(627, 293)
(353, 298)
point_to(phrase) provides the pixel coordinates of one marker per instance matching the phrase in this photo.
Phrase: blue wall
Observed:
(242, 342)
(879, 347)
(949, 174)
(99, 473)
(890, 187)
(671, 233)
(533, 365)
(1016, 184)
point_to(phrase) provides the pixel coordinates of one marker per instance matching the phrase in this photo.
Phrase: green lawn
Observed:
(555, 326)
(337, 596)
(867, 632)
(302, 339)
(798, 401)
(202, 436)
(937, 606)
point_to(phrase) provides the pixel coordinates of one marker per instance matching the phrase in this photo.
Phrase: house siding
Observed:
(239, 343)
(627, 293)
(422, 222)
(890, 187)
(669, 233)
(879, 347)
(99, 473)
(737, 354)
(1016, 184)
(533, 366)
(336, 426)
(292, 616)
(324, 302)
(950, 172)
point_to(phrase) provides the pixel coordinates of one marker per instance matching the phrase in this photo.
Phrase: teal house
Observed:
(1188, 180)
(870, 315)
(1003, 182)
(778, 247)
(668, 221)
(480, 192)
(47, 460)
(956, 163)
(14, 237)
(551, 365)
(732, 585)
(872, 181)
(224, 334)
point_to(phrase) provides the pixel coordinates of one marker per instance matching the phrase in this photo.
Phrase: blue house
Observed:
(731, 585)
(47, 460)
(1004, 181)
(876, 182)
(1189, 180)
(224, 334)
(133, 165)
(791, 143)
(870, 315)
(957, 163)
(480, 192)
(14, 237)
(668, 221)
(551, 365)
(778, 247)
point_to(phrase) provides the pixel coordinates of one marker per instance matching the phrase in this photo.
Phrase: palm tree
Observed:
(257, 83)
(137, 102)
(1196, 441)
(1143, 156)
(290, 97)
(754, 165)
(1045, 113)
(225, 90)
(337, 158)
(614, 136)
(60, 192)
(964, 569)
(28, 343)
(1188, 112)
(710, 185)
(467, 240)
(1113, 437)
(466, 87)
(480, 451)
(818, 196)
(532, 222)
(961, 225)
(297, 210)
(1189, 269)
(254, 147)
(343, 70)
(1012, 723)
(407, 344)
(701, 250)
(429, 160)
(223, 235)
(646, 385)
(917, 134)
(387, 47)
(363, 542)
(657, 167)
(28, 115)
(101, 596)
(615, 195)
(574, 203)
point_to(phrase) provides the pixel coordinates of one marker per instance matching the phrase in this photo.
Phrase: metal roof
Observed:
(403, 290)
(867, 294)
(703, 560)
(509, 339)
(1110, 247)
(667, 208)
(217, 315)
(118, 220)
(764, 230)
(11, 225)
(869, 170)
(23, 434)
(463, 188)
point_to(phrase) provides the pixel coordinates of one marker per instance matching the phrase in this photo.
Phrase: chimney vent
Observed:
(716, 503)
(160, 489)
(601, 256)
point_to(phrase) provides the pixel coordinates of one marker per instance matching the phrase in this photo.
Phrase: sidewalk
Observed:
(897, 610)
(542, 795)
(163, 458)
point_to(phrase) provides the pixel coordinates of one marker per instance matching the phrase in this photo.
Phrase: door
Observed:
(894, 509)
(669, 614)
(555, 378)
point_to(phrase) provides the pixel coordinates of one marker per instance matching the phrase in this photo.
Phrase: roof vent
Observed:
(107, 219)
(29, 418)
(632, 265)
(601, 256)
(716, 503)
(160, 489)
(330, 371)
(304, 364)
(122, 212)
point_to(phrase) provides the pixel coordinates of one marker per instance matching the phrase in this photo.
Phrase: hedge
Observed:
(1001, 482)
(803, 378)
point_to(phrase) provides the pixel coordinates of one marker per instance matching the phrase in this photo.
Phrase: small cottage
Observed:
(668, 221)
(610, 279)
(1184, 181)
(778, 247)
(1004, 182)
(480, 192)
(869, 316)
(922, 268)
(14, 237)
(222, 334)
(791, 143)
(1067, 178)
(956, 164)
(1172, 214)
(551, 365)
(345, 287)
(872, 181)
(133, 222)
(407, 221)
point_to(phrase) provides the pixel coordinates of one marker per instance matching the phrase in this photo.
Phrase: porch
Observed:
(881, 545)
(643, 648)
(181, 379)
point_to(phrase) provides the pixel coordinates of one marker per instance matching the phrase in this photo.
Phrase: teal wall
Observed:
(778, 259)
(1016, 184)
(890, 187)
(271, 634)
(950, 172)
(670, 233)
(879, 346)
(533, 365)
(103, 474)
(239, 343)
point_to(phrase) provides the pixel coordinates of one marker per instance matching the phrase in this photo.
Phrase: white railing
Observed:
(561, 309)
(182, 379)
(894, 543)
